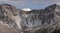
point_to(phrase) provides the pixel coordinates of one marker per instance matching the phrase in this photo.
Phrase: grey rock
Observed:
(14, 20)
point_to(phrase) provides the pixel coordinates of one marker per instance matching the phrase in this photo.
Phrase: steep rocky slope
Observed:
(13, 20)
(8, 18)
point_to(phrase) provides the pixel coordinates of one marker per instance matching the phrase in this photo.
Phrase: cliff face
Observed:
(35, 21)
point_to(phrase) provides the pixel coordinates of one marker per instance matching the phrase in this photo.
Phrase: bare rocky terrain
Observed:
(13, 20)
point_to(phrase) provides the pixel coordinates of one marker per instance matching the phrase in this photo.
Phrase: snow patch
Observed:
(26, 9)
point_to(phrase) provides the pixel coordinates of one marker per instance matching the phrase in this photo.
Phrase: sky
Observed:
(32, 4)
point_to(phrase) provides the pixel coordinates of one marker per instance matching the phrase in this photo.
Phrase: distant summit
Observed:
(26, 9)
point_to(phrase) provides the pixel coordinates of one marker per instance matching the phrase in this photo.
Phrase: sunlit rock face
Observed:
(14, 20)
(9, 17)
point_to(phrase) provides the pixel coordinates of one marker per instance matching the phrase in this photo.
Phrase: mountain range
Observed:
(13, 20)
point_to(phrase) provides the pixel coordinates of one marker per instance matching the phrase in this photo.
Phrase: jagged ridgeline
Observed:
(13, 20)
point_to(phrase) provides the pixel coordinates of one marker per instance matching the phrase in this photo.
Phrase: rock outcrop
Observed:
(14, 20)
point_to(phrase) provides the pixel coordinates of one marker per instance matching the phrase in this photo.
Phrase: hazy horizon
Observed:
(32, 4)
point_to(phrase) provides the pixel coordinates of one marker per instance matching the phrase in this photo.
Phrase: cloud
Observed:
(13, 1)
